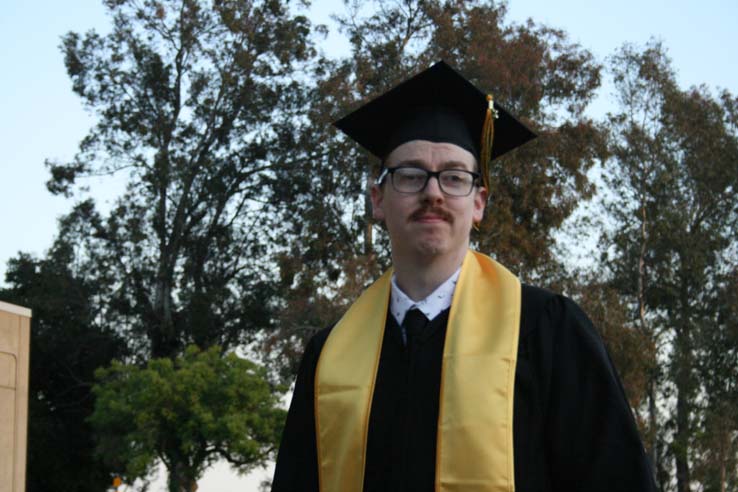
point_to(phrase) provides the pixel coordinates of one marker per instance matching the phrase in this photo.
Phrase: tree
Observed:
(196, 102)
(632, 350)
(68, 343)
(673, 181)
(717, 366)
(535, 71)
(188, 413)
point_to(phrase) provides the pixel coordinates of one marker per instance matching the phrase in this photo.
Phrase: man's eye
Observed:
(455, 178)
(410, 177)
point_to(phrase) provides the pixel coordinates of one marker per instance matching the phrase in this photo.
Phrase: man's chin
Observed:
(431, 247)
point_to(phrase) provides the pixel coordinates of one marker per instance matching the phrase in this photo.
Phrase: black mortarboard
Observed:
(439, 105)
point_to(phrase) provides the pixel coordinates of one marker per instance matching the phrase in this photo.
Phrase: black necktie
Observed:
(414, 323)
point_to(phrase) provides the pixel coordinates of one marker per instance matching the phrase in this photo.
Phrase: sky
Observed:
(40, 117)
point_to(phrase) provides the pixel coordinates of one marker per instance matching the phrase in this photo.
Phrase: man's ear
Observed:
(480, 200)
(377, 196)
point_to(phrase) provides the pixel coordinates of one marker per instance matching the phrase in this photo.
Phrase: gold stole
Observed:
(475, 422)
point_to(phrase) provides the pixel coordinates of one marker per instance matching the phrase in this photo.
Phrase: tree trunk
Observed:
(163, 339)
(683, 375)
(724, 447)
(681, 440)
(163, 287)
(655, 454)
(682, 357)
(180, 479)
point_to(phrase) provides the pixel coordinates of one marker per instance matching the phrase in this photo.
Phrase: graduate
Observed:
(448, 374)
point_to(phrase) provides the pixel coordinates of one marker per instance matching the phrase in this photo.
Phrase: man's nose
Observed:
(432, 189)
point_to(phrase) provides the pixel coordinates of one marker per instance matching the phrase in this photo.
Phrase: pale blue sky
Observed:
(42, 118)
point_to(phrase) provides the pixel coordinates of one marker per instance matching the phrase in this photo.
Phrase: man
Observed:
(447, 374)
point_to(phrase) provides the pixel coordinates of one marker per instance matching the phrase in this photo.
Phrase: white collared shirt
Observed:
(433, 305)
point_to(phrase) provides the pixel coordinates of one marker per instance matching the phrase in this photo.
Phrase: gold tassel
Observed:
(488, 136)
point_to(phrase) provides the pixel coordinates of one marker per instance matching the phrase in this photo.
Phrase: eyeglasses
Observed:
(453, 182)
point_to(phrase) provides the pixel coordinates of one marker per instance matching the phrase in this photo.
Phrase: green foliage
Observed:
(716, 442)
(673, 181)
(196, 103)
(187, 412)
(67, 344)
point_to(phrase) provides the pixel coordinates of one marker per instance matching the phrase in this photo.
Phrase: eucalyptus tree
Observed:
(195, 103)
(673, 179)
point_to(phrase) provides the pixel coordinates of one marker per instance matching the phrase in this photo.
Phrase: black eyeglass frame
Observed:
(428, 175)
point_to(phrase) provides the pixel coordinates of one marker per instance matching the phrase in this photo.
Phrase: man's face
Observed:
(428, 223)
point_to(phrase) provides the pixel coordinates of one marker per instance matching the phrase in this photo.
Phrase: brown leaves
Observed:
(633, 350)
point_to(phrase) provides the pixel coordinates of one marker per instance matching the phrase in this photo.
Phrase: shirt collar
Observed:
(433, 305)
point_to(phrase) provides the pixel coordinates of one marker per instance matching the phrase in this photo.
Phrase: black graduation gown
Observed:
(572, 427)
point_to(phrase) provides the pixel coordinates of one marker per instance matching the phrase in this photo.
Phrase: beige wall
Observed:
(15, 330)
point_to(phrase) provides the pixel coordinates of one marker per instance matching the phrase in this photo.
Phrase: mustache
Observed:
(443, 214)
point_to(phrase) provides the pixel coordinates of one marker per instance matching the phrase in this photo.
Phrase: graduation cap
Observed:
(439, 105)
